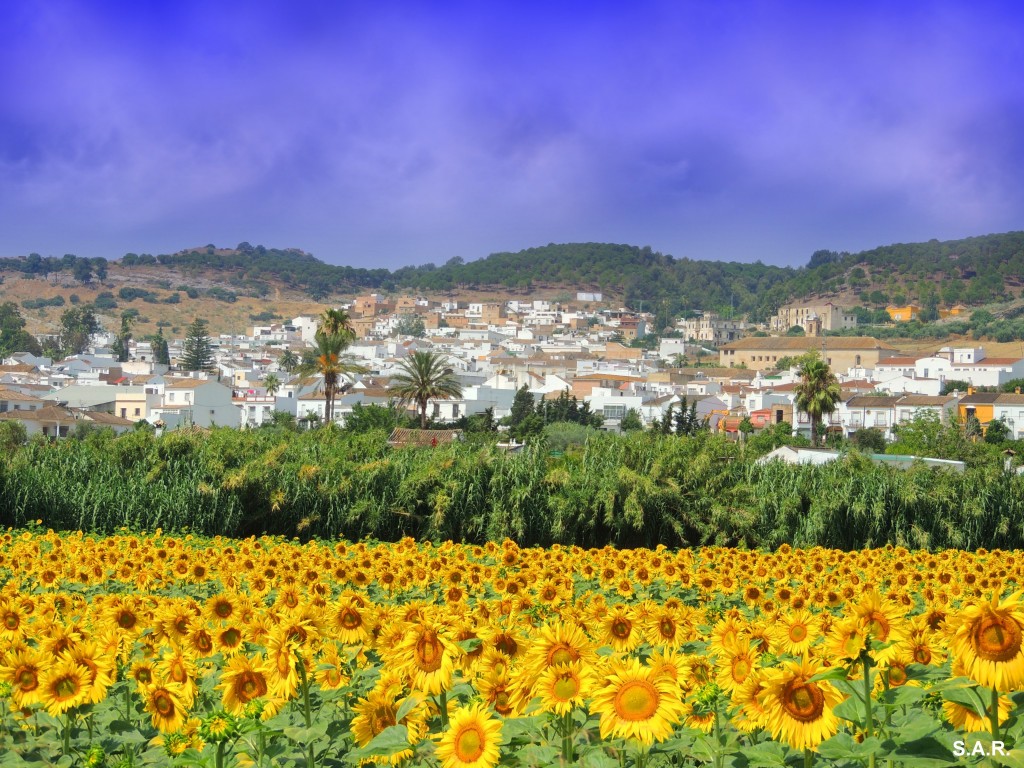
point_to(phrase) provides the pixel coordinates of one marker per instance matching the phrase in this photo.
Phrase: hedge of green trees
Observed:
(639, 489)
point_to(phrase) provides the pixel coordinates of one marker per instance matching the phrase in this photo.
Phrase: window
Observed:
(614, 411)
(170, 397)
(124, 413)
(138, 411)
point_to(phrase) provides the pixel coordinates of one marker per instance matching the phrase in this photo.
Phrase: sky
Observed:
(390, 134)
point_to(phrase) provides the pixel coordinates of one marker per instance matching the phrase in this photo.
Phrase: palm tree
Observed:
(287, 361)
(818, 392)
(332, 337)
(271, 383)
(424, 376)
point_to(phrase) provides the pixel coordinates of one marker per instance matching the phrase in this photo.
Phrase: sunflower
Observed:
(166, 708)
(797, 710)
(101, 667)
(750, 715)
(180, 670)
(426, 656)
(736, 661)
(966, 718)
(63, 686)
(472, 739)
(987, 643)
(636, 704)
(22, 669)
(620, 629)
(242, 681)
(882, 623)
(557, 643)
(795, 632)
(349, 622)
(331, 673)
(282, 664)
(496, 689)
(564, 687)
(663, 628)
(379, 710)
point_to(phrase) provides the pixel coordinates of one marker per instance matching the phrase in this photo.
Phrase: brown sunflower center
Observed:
(621, 628)
(803, 701)
(250, 685)
(561, 654)
(350, 619)
(223, 609)
(566, 687)
(897, 675)
(997, 638)
(126, 620)
(66, 688)
(429, 652)
(798, 633)
(506, 644)
(163, 704)
(26, 679)
(740, 668)
(636, 700)
(922, 655)
(11, 621)
(469, 744)
(667, 628)
(877, 625)
(231, 637)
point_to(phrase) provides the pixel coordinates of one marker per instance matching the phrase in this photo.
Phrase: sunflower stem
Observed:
(808, 757)
(443, 708)
(993, 715)
(306, 711)
(567, 738)
(219, 758)
(67, 734)
(868, 716)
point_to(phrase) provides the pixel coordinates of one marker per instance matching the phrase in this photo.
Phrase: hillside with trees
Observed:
(974, 271)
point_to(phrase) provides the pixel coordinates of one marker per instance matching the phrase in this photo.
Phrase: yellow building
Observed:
(840, 352)
(903, 314)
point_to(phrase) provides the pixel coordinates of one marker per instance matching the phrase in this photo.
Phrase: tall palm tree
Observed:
(818, 392)
(272, 384)
(424, 376)
(333, 335)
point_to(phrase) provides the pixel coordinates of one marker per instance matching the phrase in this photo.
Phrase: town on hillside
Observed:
(734, 376)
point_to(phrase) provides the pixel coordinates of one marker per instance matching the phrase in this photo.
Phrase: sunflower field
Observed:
(180, 650)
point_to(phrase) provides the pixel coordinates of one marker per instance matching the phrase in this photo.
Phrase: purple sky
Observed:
(386, 134)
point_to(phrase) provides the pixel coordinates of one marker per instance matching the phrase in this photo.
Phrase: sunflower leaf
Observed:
(391, 740)
(409, 703)
(842, 746)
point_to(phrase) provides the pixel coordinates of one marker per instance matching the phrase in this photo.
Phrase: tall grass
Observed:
(626, 491)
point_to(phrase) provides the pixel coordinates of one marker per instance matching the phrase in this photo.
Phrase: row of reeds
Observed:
(632, 490)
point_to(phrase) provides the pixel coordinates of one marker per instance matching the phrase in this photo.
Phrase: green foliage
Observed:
(796, 330)
(13, 435)
(869, 440)
(411, 325)
(817, 393)
(197, 351)
(637, 489)
(161, 353)
(632, 421)
(425, 376)
(77, 327)
(955, 385)
(13, 336)
(373, 417)
(56, 301)
(997, 432)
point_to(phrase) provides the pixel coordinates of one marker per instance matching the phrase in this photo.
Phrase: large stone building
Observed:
(841, 352)
(813, 318)
(711, 329)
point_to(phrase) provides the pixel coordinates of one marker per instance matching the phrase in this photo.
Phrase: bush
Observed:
(869, 440)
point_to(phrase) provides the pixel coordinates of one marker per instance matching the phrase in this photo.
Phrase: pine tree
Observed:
(198, 351)
(161, 354)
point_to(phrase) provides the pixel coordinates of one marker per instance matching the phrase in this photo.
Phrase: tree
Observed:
(77, 327)
(424, 376)
(631, 421)
(522, 406)
(955, 385)
(327, 358)
(83, 271)
(818, 392)
(124, 336)
(99, 268)
(272, 384)
(997, 432)
(13, 336)
(288, 362)
(198, 351)
(869, 439)
(161, 354)
(411, 325)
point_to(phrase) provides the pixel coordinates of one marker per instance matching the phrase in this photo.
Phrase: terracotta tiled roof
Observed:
(804, 343)
(423, 438)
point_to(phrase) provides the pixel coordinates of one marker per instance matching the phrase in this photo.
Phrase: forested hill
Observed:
(974, 270)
